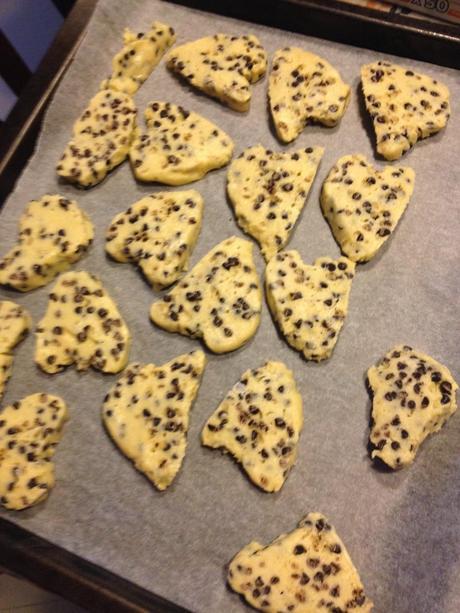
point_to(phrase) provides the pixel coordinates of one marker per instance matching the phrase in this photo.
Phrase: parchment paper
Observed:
(402, 529)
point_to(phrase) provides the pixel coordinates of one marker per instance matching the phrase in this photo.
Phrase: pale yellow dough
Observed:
(221, 66)
(259, 423)
(309, 303)
(304, 87)
(101, 139)
(299, 572)
(363, 205)
(219, 300)
(53, 234)
(179, 146)
(81, 326)
(140, 54)
(404, 106)
(413, 396)
(158, 233)
(29, 432)
(268, 191)
(15, 322)
(147, 414)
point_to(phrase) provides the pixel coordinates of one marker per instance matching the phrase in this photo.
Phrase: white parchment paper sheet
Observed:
(402, 529)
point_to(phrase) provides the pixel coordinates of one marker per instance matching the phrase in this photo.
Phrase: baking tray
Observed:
(77, 578)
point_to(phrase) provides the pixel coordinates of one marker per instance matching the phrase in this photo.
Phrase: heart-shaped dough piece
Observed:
(363, 205)
(147, 414)
(303, 88)
(179, 146)
(300, 572)
(81, 326)
(268, 191)
(413, 396)
(309, 303)
(53, 234)
(140, 54)
(29, 432)
(219, 300)
(259, 423)
(158, 233)
(404, 105)
(221, 66)
(100, 140)
(15, 322)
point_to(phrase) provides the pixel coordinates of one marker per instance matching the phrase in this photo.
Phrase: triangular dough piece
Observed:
(179, 146)
(15, 322)
(309, 303)
(268, 191)
(404, 105)
(363, 205)
(140, 54)
(413, 396)
(305, 571)
(221, 66)
(147, 414)
(53, 234)
(304, 87)
(29, 432)
(81, 326)
(159, 233)
(219, 300)
(101, 139)
(259, 423)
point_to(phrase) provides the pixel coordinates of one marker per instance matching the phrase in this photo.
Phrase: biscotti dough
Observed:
(101, 139)
(147, 414)
(29, 432)
(53, 234)
(259, 423)
(158, 233)
(309, 303)
(268, 191)
(404, 105)
(221, 66)
(305, 571)
(15, 322)
(81, 326)
(140, 54)
(363, 205)
(304, 87)
(219, 300)
(179, 146)
(413, 396)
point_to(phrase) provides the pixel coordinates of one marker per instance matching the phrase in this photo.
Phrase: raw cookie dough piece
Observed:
(404, 105)
(304, 571)
(159, 233)
(259, 423)
(147, 414)
(101, 139)
(53, 234)
(309, 303)
(29, 432)
(363, 205)
(413, 396)
(82, 325)
(304, 87)
(15, 322)
(138, 57)
(221, 66)
(219, 300)
(268, 191)
(179, 146)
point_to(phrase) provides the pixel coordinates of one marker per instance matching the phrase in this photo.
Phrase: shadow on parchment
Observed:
(419, 553)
